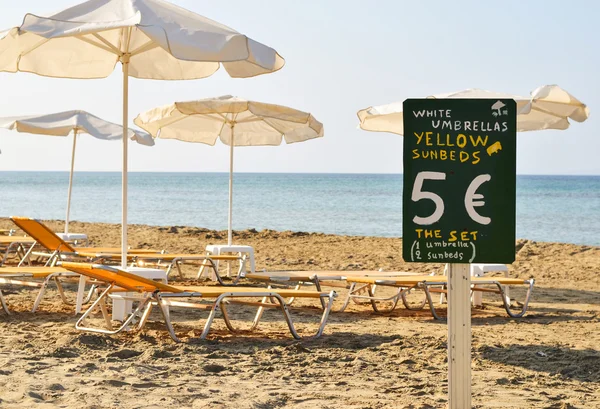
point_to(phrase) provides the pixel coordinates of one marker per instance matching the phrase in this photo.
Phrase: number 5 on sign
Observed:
(472, 199)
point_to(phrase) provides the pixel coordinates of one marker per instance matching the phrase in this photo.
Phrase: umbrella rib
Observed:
(106, 42)
(245, 121)
(207, 116)
(150, 45)
(171, 122)
(273, 126)
(95, 44)
(533, 108)
(127, 38)
(35, 47)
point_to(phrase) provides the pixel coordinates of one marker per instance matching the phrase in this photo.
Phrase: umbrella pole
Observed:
(70, 182)
(230, 230)
(125, 64)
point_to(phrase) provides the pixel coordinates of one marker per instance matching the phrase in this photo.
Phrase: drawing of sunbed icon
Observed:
(494, 148)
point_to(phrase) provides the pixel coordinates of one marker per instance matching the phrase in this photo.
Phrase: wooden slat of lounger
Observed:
(332, 275)
(119, 278)
(215, 291)
(37, 269)
(499, 280)
(274, 276)
(114, 250)
(111, 256)
(172, 256)
(15, 239)
(411, 280)
(397, 280)
(132, 282)
(33, 272)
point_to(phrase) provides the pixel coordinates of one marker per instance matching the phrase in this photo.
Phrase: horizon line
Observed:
(264, 173)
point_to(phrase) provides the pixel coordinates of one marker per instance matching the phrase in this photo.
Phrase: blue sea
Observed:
(549, 208)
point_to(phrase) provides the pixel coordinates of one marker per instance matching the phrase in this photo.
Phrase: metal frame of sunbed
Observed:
(62, 250)
(151, 293)
(332, 279)
(19, 246)
(23, 276)
(438, 284)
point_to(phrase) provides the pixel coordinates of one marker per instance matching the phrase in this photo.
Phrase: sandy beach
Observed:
(548, 359)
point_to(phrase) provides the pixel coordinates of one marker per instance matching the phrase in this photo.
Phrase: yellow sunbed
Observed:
(23, 276)
(151, 293)
(60, 249)
(331, 278)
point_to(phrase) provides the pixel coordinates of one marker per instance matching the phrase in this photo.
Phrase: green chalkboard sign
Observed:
(459, 180)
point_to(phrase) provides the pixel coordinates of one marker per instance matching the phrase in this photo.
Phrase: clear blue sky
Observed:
(341, 56)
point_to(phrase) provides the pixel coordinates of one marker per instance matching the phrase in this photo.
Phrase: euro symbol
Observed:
(472, 199)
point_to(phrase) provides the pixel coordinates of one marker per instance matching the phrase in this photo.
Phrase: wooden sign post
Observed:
(459, 204)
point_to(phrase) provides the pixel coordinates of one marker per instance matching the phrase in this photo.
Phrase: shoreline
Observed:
(5, 223)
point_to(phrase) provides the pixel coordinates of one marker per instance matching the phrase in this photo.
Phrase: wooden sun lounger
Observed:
(58, 247)
(61, 250)
(151, 293)
(38, 277)
(19, 245)
(332, 278)
(438, 284)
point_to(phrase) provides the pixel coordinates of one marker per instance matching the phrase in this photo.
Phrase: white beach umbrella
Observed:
(152, 39)
(235, 121)
(548, 107)
(77, 122)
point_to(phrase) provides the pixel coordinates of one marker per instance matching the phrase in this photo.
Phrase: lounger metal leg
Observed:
(284, 310)
(241, 269)
(145, 316)
(171, 268)
(105, 315)
(228, 323)
(214, 267)
(322, 323)
(178, 265)
(25, 258)
(40, 295)
(348, 297)
(61, 291)
(317, 284)
(259, 313)
(430, 301)
(211, 316)
(394, 301)
(91, 293)
(506, 303)
(291, 299)
(3, 302)
(166, 316)
(98, 303)
(407, 305)
(81, 320)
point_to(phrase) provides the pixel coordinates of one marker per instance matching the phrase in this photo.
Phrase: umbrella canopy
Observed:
(152, 39)
(77, 122)
(158, 39)
(548, 107)
(80, 122)
(235, 121)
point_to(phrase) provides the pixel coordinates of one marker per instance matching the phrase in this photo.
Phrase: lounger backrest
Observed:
(42, 234)
(119, 278)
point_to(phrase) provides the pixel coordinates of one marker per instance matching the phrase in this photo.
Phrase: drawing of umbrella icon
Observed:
(498, 105)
